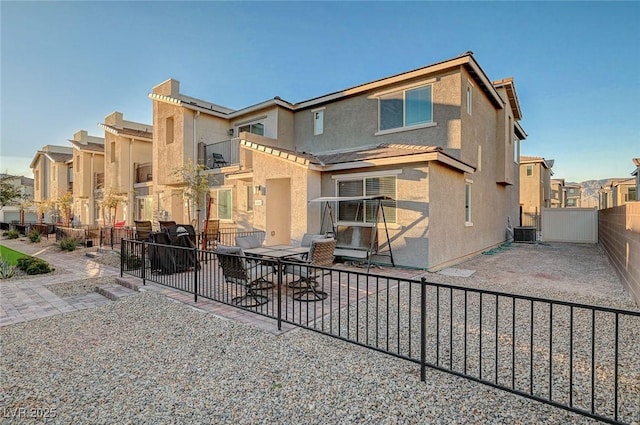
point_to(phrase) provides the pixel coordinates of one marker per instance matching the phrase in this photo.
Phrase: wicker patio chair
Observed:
(143, 229)
(238, 271)
(320, 255)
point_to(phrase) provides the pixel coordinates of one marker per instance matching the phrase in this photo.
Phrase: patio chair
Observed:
(320, 255)
(211, 234)
(237, 271)
(166, 224)
(143, 229)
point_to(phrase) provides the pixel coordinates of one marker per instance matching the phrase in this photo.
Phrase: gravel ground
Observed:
(79, 287)
(147, 359)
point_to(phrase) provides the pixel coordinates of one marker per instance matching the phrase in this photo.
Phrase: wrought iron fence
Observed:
(576, 357)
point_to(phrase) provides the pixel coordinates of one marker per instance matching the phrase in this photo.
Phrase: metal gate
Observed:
(579, 225)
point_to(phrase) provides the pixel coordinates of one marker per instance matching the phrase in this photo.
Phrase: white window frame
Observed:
(467, 203)
(250, 124)
(403, 90)
(217, 191)
(363, 177)
(318, 121)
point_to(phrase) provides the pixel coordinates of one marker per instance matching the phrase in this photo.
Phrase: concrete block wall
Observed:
(619, 236)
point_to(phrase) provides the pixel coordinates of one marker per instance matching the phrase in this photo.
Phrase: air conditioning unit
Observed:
(524, 234)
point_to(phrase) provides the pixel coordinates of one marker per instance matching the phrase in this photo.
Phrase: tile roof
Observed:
(376, 152)
(125, 131)
(92, 147)
(59, 157)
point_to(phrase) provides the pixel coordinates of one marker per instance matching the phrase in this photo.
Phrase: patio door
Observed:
(278, 209)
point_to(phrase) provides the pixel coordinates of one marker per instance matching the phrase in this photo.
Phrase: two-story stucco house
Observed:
(573, 198)
(128, 170)
(88, 163)
(52, 175)
(442, 141)
(18, 211)
(617, 192)
(636, 174)
(558, 193)
(535, 188)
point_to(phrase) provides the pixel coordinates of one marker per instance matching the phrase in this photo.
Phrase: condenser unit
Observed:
(524, 234)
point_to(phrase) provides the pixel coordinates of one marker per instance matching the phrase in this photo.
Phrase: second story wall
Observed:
(353, 122)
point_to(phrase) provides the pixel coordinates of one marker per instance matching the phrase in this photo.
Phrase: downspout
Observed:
(130, 190)
(91, 190)
(196, 115)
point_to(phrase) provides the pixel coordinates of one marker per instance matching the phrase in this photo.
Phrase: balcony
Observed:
(99, 181)
(221, 154)
(144, 172)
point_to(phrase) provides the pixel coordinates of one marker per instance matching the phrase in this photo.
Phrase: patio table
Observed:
(277, 251)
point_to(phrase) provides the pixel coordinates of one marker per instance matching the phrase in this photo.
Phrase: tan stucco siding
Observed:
(353, 122)
(304, 184)
(531, 188)
(409, 234)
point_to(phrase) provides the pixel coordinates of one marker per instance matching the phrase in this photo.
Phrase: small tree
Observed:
(109, 203)
(24, 204)
(196, 185)
(64, 204)
(8, 192)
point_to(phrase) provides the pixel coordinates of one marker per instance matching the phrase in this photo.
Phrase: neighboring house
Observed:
(636, 174)
(189, 130)
(573, 195)
(52, 177)
(19, 211)
(535, 188)
(88, 163)
(617, 192)
(557, 193)
(128, 171)
(442, 141)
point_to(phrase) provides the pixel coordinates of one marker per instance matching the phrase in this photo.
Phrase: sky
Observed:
(67, 65)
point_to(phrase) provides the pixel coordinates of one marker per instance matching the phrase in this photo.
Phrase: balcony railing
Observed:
(144, 172)
(99, 182)
(221, 154)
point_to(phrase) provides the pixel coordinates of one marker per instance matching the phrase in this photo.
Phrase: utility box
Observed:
(524, 234)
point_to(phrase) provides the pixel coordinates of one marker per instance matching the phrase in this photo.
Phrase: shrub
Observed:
(132, 262)
(34, 236)
(33, 265)
(13, 234)
(6, 269)
(68, 244)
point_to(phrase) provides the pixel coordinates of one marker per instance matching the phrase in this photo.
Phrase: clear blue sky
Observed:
(66, 65)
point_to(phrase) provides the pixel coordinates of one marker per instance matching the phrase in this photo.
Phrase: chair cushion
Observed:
(246, 242)
(308, 238)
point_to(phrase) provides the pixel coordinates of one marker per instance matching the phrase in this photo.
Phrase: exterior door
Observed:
(278, 209)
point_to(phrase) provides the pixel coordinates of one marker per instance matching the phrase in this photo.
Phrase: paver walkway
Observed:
(26, 299)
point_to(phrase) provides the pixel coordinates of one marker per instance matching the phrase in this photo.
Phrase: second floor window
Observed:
(529, 170)
(255, 128)
(169, 131)
(406, 108)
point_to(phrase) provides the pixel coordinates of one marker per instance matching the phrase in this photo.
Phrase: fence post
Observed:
(144, 263)
(279, 266)
(122, 253)
(423, 329)
(195, 274)
(111, 238)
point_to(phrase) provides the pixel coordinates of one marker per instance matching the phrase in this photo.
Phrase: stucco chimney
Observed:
(81, 136)
(170, 88)
(114, 119)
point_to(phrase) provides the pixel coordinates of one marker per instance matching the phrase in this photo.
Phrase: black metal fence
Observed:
(577, 357)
